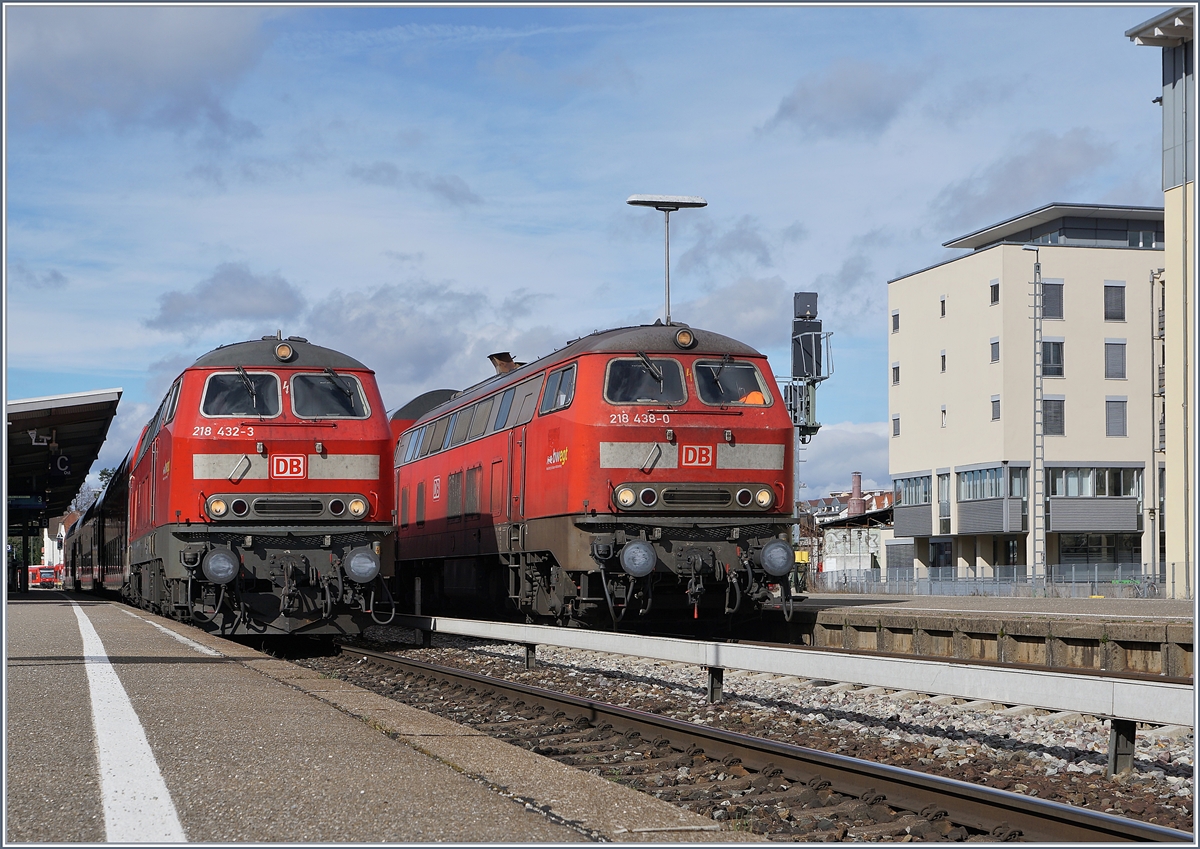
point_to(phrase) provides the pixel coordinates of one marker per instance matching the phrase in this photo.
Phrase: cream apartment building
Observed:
(1178, 297)
(961, 396)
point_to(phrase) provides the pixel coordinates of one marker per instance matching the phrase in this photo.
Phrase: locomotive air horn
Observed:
(667, 204)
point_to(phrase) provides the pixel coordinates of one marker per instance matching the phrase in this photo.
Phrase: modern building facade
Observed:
(962, 388)
(1176, 294)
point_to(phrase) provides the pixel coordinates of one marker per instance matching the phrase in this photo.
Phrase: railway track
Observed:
(778, 789)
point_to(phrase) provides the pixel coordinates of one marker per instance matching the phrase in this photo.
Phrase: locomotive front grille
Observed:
(288, 507)
(697, 497)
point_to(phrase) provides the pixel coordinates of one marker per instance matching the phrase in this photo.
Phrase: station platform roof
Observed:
(52, 443)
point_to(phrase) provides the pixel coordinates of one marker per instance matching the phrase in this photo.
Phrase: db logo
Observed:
(288, 465)
(697, 455)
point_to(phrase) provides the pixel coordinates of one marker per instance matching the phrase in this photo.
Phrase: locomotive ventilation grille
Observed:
(288, 507)
(697, 497)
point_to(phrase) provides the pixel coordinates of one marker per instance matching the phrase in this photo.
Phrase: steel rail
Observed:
(981, 808)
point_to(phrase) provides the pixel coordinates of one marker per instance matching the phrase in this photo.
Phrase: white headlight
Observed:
(362, 565)
(358, 508)
(776, 558)
(764, 498)
(220, 565)
(626, 496)
(638, 558)
(217, 508)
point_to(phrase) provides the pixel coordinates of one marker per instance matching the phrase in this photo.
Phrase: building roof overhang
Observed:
(1169, 29)
(1046, 214)
(41, 431)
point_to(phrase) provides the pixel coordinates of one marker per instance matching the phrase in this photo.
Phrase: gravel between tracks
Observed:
(1061, 758)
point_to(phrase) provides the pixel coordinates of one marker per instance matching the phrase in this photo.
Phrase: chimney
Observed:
(503, 362)
(857, 505)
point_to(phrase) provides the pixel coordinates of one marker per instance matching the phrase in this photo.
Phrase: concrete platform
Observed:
(253, 749)
(1152, 636)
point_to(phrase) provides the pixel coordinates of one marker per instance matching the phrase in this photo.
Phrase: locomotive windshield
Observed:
(328, 395)
(730, 382)
(240, 393)
(644, 380)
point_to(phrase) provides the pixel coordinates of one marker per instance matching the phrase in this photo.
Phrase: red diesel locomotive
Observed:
(257, 500)
(637, 469)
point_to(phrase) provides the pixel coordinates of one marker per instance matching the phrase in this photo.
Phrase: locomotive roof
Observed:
(261, 353)
(657, 338)
(423, 403)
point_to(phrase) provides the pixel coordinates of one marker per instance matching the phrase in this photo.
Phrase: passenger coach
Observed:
(635, 470)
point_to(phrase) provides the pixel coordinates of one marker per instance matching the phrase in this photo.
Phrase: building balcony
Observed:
(1101, 514)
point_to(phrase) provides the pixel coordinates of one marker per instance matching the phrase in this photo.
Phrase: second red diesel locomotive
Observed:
(637, 469)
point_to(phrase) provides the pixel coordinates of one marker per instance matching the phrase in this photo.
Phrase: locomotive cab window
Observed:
(328, 395)
(560, 389)
(482, 410)
(726, 381)
(241, 393)
(644, 380)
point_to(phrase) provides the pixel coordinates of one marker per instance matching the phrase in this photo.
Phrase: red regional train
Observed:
(257, 500)
(634, 470)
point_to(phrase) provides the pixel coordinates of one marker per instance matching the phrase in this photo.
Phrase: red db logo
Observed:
(697, 455)
(288, 465)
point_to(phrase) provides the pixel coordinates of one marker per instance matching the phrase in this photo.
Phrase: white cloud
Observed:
(837, 450)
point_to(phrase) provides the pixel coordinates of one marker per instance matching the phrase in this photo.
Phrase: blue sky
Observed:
(422, 187)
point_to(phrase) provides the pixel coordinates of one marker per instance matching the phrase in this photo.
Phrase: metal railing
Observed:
(1110, 580)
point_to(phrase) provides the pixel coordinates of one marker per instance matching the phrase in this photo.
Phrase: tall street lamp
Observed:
(1037, 473)
(667, 204)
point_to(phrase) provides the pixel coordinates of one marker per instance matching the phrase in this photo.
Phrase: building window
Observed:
(1052, 359)
(1114, 360)
(1094, 483)
(980, 483)
(994, 291)
(995, 350)
(912, 491)
(943, 416)
(943, 306)
(943, 504)
(943, 362)
(895, 373)
(1114, 303)
(896, 321)
(1052, 300)
(1054, 417)
(895, 425)
(995, 408)
(1114, 418)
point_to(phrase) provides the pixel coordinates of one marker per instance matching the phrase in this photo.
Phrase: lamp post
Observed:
(667, 204)
(1037, 474)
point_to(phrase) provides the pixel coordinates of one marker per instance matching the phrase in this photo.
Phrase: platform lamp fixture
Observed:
(667, 204)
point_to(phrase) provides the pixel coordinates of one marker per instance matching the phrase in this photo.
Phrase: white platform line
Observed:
(192, 644)
(137, 804)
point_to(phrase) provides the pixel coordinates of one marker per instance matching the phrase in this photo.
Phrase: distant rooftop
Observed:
(1073, 224)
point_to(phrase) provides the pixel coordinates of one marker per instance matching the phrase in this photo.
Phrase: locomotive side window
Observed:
(560, 389)
(461, 425)
(414, 444)
(328, 395)
(172, 403)
(402, 449)
(502, 412)
(526, 400)
(427, 439)
(479, 425)
(437, 436)
(241, 393)
(727, 381)
(644, 380)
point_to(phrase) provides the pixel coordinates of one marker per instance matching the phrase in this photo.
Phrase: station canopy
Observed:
(52, 443)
